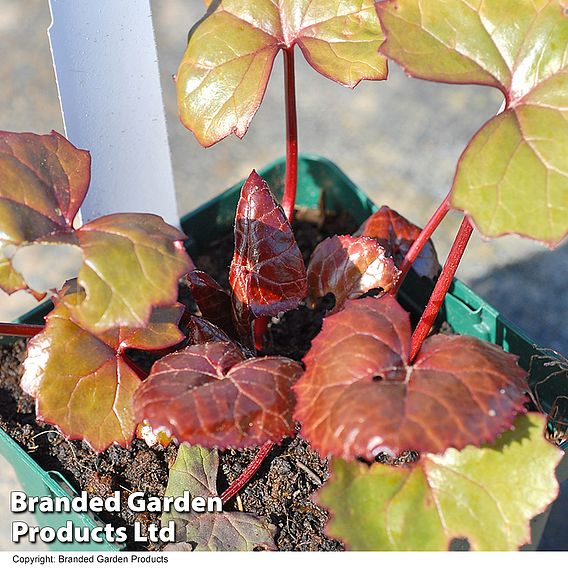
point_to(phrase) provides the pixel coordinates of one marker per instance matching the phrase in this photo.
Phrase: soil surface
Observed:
(280, 490)
(138, 468)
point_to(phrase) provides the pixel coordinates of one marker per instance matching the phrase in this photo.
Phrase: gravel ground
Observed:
(399, 141)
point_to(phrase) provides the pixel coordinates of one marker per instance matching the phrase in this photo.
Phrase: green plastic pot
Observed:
(35, 481)
(319, 180)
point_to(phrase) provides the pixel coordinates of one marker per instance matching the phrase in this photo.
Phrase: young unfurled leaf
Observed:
(209, 394)
(195, 470)
(199, 330)
(213, 302)
(267, 274)
(224, 71)
(487, 495)
(348, 267)
(513, 176)
(396, 234)
(360, 395)
(81, 381)
(131, 262)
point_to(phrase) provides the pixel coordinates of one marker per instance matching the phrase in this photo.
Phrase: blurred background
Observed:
(398, 140)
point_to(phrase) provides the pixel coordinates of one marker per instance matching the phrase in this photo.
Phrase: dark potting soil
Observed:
(280, 490)
(138, 468)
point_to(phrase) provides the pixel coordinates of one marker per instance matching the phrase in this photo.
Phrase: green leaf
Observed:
(81, 381)
(195, 470)
(487, 495)
(223, 74)
(132, 262)
(513, 176)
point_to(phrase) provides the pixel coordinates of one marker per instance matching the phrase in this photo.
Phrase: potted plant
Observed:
(410, 420)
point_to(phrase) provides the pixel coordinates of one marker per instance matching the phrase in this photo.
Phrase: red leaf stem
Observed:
(260, 327)
(420, 242)
(291, 181)
(249, 471)
(441, 288)
(19, 330)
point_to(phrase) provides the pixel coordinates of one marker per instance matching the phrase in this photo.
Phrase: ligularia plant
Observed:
(373, 386)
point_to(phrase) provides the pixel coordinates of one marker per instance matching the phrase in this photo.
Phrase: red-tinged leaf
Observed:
(82, 383)
(396, 234)
(360, 395)
(349, 267)
(267, 274)
(213, 302)
(513, 176)
(199, 330)
(161, 332)
(223, 74)
(210, 395)
(131, 262)
(43, 181)
(222, 532)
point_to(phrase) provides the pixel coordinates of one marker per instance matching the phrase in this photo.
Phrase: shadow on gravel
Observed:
(533, 294)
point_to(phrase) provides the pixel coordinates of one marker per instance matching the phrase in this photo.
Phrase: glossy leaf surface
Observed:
(267, 274)
(131, 262)
(360, 395)
(209, 394)
(213, 302)
(396, 234)
(195, 470)
(82, 383)
(224, 71)
(513, 176)
(199, 330)
(348, 267)
(487, 495)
